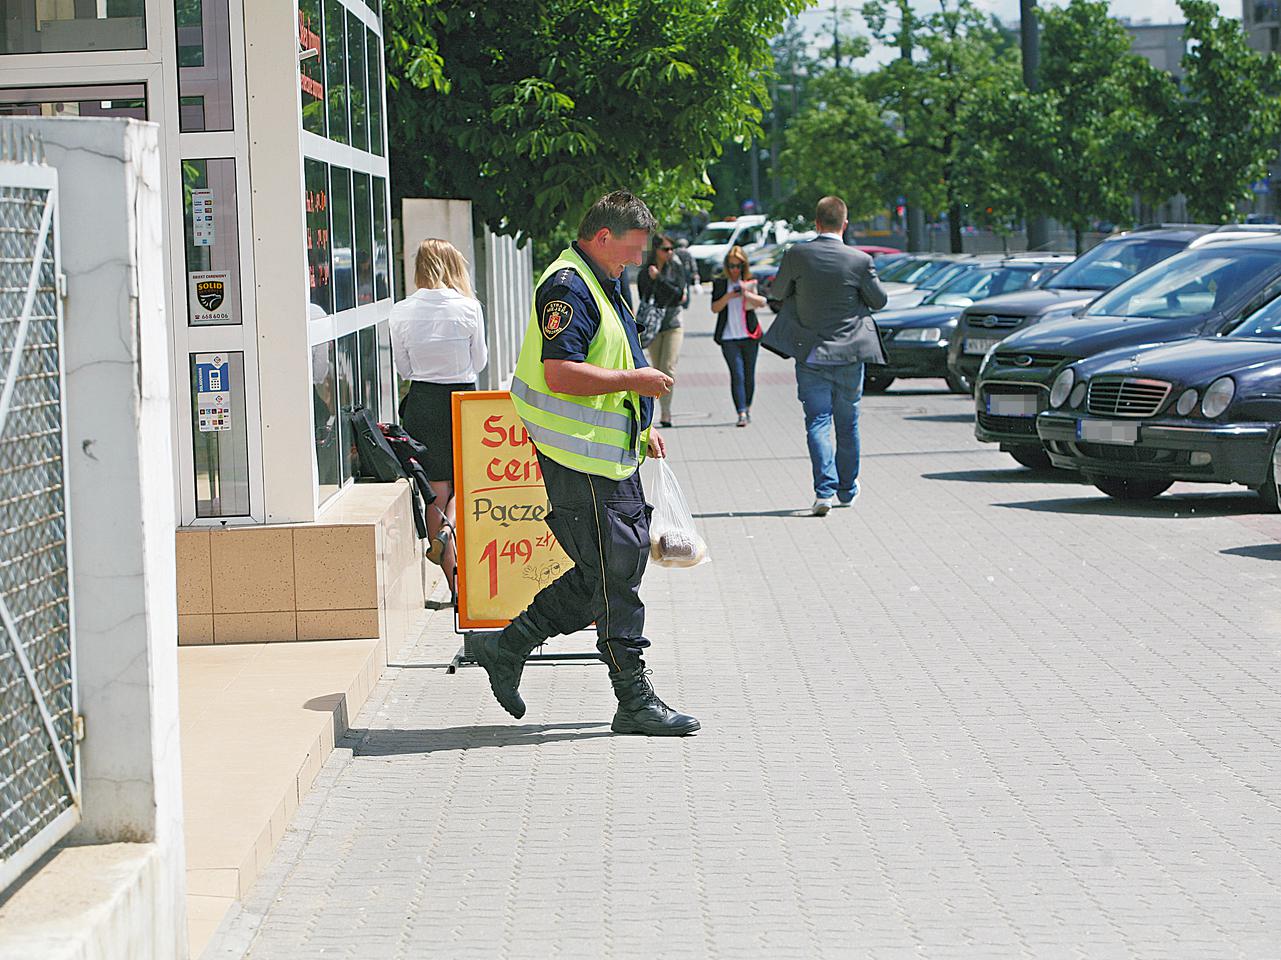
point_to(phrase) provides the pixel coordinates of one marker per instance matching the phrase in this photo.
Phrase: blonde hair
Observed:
(439, 264)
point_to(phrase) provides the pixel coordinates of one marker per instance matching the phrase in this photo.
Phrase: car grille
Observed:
(1018, 426)
(1126, 396)
(1029, 361)
(985, 321)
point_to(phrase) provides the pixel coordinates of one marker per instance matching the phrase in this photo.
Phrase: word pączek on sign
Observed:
(506, 553)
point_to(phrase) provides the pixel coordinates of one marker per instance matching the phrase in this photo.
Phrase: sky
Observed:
(1154, 11)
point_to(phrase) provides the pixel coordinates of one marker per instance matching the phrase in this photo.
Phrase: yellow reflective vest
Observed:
(600, 435)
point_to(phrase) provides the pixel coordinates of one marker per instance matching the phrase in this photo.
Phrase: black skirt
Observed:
(427, 414)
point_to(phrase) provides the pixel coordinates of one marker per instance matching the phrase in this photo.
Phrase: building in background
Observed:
(274, 155)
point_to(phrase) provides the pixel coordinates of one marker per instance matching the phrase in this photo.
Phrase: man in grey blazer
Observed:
(833, 290)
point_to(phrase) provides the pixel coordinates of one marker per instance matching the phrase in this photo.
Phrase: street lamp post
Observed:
(1038, 228)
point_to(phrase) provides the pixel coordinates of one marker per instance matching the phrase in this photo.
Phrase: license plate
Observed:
(1108, 431)
(1011, 404)
(979, 345)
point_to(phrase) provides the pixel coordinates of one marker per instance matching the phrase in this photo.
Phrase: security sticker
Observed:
(556, 317)
(207, 297)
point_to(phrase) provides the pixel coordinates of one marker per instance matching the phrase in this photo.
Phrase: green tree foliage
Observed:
(951, 60)
(531, 110)
(838, 144)
(1224, 128)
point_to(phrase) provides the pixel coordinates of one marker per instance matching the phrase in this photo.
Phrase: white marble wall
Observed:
(121, 492)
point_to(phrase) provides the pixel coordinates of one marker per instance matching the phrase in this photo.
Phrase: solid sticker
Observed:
(556, 317)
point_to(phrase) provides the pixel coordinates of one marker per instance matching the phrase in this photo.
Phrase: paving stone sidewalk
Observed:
(977, 715)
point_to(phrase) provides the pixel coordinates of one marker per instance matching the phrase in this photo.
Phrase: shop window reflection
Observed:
(346, 373)
(382, 242)
(373, 53)
(324, 406)
(213, 245)
(344, 275)
(62, 26)
(368, 343)
(357, 82)
(204, 65)
(311, 70)
(362, 207)
(114, 100)
(336, 69)
(316, 206)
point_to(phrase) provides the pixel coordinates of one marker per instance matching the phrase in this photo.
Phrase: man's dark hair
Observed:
(616, 212)
(831, 213)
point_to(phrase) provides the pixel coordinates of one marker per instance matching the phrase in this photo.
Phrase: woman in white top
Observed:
(735, 302)
(438, 341)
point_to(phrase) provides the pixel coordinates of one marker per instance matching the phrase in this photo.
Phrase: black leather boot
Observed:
(639, 708)
(503, 656)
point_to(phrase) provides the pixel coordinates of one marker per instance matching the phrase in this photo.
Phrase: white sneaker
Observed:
(821, 506)
(850, 501)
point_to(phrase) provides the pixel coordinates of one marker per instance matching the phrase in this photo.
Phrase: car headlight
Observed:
(1062, 387)
(1187, 402)
(921, 334)
(1078, 394)
(1218, 396)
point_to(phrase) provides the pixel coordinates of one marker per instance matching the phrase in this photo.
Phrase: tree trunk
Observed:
(1078, 233)
(954, 227)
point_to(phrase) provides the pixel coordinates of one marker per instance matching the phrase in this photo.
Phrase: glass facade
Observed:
(111, 100)
(204, 65)
(348, 228)
(72, 26)
(219, 436)
(212, 247)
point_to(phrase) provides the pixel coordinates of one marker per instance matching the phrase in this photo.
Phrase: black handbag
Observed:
(649, 320)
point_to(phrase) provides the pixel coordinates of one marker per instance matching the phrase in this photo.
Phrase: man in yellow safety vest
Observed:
(586, 394)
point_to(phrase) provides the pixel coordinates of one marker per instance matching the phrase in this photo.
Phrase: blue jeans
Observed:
(740, 356)
(830, 396)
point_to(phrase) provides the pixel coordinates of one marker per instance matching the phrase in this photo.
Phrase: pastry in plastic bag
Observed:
(674, 542)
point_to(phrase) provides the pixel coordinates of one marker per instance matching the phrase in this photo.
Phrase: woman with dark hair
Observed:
(735, 302)
(663, 280)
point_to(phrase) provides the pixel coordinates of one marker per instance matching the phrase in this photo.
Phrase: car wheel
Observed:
(958, 383)
(1131, 488)
(1034, 458)
(1269, 493)
(876, 380)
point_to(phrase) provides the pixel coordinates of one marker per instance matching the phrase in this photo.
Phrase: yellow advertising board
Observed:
(506, 553)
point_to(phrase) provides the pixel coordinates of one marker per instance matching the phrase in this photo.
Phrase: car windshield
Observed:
(1195, 282)
(768, 255)
(1112, 262)
(945, 276)
(916, 271)
(1264, 323)
(716, 233)
(977, 283)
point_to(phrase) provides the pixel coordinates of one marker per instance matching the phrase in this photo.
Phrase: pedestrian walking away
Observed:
(738, 332)
(831, 289)
(438, 342)
(586, 395)
(686, 258)
(663, 280)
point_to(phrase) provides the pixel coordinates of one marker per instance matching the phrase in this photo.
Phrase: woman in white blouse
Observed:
(438, 341)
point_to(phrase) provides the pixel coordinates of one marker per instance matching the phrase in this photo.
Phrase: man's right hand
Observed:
(650, 382)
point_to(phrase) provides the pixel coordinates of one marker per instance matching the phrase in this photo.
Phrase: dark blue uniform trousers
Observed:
(604, 527)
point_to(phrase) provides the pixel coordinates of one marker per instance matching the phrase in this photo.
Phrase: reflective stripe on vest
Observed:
(599, 434)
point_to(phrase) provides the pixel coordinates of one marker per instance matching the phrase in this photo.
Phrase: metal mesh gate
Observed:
(39, 776)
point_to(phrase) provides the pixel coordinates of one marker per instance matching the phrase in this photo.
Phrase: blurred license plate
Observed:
(1107, 431)
(1011, 404)
(980, 345)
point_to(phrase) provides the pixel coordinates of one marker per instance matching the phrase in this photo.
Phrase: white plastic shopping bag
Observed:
(673, 541)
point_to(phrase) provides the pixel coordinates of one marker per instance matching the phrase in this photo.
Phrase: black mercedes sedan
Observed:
(916, 339)
(1201, 292)
(1208, 410)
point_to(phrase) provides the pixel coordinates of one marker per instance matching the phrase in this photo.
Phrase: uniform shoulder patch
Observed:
(555, 318)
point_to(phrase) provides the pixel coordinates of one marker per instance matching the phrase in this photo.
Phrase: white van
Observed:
(751, 233)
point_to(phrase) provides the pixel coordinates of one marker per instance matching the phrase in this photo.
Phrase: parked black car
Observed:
(916, 339)
(1099, 269)
(1208, 410)
(1203, 291)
